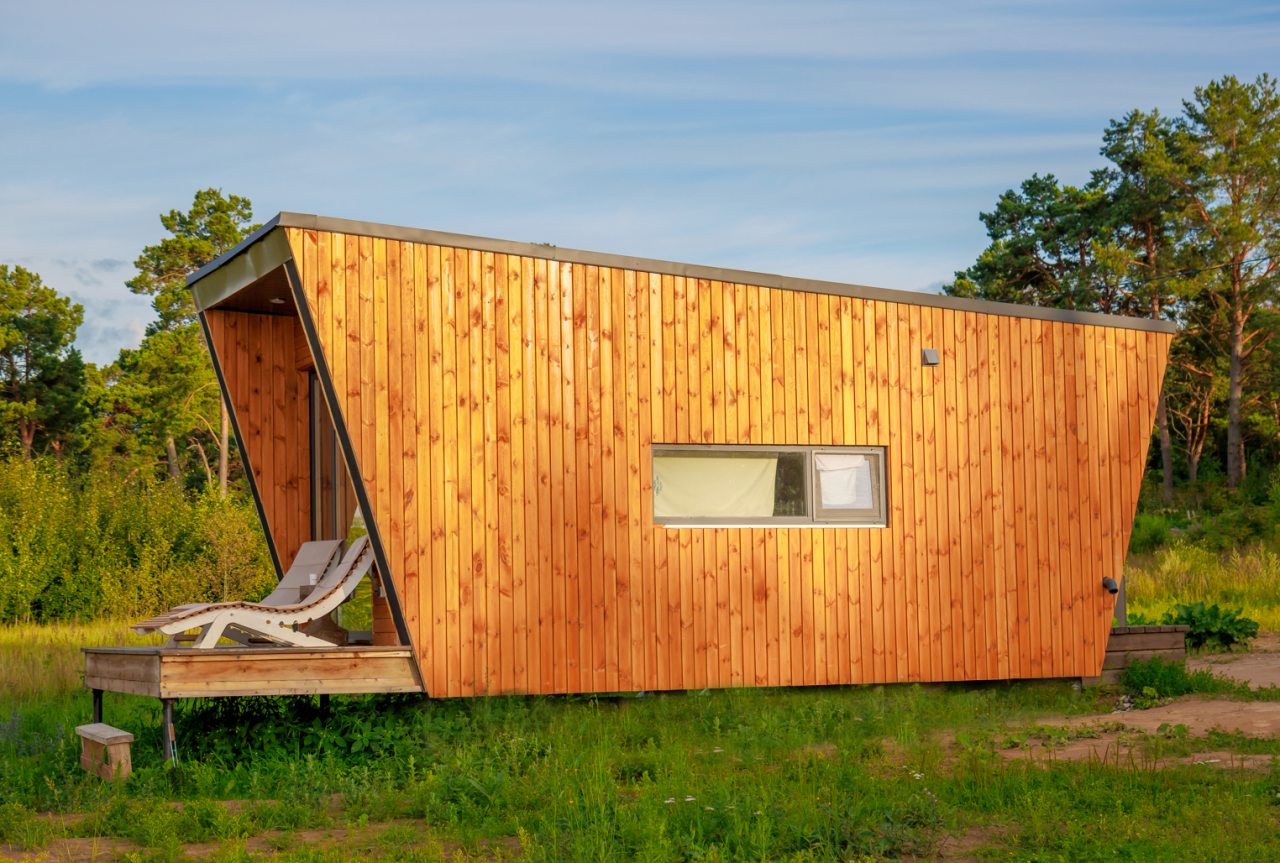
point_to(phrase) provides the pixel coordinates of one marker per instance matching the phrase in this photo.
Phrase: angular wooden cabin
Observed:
(591, 473)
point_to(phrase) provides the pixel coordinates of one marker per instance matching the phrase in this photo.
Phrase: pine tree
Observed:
(42, 376)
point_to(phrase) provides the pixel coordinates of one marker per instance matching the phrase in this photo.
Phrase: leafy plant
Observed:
(1213, 626)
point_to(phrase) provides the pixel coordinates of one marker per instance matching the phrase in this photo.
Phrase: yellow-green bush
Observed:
(107, 546)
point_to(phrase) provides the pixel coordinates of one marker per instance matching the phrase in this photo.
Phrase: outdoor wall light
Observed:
(1109, 584)
(929, 356)
(276, 301)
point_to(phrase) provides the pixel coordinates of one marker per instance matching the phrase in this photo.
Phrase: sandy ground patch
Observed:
(1124, 739)
(1258, 668)
(1122, 750)
(963, 847)
(1199, 715)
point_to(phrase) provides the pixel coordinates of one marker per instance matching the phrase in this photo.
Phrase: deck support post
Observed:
(167, 741)
(324, 704)
(97, 705)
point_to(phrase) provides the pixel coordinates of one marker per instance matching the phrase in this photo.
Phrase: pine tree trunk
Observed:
(27, 434)
(224, 441)
(1166, 451)
(171, 450)
(1235, 395)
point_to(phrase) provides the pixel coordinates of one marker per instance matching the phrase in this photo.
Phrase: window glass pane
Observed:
(789, 499)
(844, 480)
(728, 485)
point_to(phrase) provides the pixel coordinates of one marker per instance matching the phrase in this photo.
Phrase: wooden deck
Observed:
(168, 672)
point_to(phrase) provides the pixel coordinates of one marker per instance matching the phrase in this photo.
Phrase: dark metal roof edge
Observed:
(308, 221)
(234, 250)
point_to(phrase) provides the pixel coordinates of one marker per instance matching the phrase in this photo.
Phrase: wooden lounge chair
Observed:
(313, 561)
(280, 623)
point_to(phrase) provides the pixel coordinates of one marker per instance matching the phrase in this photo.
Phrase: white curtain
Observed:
(725, 487)
(844, 480)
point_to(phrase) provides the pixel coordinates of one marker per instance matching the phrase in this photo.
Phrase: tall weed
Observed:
(1246, 578)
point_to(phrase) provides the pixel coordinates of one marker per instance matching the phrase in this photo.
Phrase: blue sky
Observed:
(851, 141)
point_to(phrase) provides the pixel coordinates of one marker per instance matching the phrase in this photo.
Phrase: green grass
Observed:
(1247, 578)
(865, 773)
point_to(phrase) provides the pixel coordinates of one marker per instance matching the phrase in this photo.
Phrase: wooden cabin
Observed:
(585, 472)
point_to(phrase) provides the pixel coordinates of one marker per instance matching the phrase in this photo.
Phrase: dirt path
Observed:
(1199, 715)
(1130, 738)
(1258, 668)
(356, 842)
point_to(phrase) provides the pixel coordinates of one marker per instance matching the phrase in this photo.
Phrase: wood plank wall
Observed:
(501, 409)
(270, 399)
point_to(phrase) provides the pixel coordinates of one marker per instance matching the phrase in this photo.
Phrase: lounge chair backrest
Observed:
(340, 582)
(314, 561)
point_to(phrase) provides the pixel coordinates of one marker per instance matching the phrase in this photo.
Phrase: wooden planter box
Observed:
(1128, 643)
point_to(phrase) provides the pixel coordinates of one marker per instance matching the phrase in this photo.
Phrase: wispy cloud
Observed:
(848, 141)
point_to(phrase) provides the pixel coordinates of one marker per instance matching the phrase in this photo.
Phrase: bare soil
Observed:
(1121, 738)
(1199, 715)
(355, 840)
(1260, 667)
(1121, 751)
(964, 847)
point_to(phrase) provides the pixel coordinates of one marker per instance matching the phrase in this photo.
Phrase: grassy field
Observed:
(868, 773)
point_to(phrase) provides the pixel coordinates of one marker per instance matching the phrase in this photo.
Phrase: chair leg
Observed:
(210, 634)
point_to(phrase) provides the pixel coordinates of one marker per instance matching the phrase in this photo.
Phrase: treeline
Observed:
(1182, 223)
(121, 490)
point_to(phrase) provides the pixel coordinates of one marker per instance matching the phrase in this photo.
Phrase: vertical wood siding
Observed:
(270, 399)
(502, 410)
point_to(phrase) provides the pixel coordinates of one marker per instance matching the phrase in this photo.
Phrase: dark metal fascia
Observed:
(311, 222)
(348, 451)
(244, 452)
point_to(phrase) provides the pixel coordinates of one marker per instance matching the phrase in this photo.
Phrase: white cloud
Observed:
(846, 141)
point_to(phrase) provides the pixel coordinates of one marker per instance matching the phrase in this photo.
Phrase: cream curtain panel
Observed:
(725, 487)
(844, 480)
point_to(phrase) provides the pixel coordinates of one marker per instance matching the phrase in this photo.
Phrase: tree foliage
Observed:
(1227, 170)
(1182, 223)
(42, 376)
(214, 224)
(166, 387)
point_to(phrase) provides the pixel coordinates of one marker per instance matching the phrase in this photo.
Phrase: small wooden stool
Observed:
(104, 750)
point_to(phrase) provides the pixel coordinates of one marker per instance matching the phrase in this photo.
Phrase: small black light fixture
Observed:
(1110, 586)
(929, 356)
(276, 301)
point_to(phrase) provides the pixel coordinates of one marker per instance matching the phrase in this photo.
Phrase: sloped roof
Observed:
(266, 249)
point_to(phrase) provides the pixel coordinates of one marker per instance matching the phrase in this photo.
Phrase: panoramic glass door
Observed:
(333, 505)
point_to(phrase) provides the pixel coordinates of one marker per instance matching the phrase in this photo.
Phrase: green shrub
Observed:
(1150, 679)
(1150, 531)
(1213, 626)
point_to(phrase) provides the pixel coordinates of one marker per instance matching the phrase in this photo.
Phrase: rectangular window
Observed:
(761, 485)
